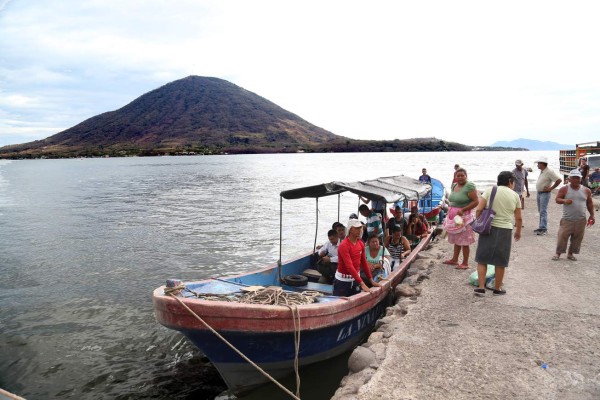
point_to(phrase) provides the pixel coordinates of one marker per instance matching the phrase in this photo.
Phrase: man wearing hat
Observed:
(521, 174)
(351, 258)
(575, 198)
(547, 181)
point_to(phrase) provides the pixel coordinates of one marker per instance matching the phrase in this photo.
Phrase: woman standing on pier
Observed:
(494, 248)
(463, 199)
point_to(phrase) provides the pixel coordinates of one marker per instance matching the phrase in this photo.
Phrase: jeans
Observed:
(543, 198)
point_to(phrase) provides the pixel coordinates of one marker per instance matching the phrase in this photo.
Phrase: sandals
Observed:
(569, 257)
(450, 262)
(463, 266)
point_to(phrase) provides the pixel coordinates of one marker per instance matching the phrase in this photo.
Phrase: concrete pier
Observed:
(539, 341)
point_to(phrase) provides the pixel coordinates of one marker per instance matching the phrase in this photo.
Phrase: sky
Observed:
(473, 72)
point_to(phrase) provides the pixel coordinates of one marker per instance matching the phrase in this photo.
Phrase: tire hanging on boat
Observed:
(295, 280)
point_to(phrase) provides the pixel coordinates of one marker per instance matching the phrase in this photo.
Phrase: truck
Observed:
(569, 159)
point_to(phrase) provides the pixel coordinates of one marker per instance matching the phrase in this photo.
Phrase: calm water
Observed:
(84, 242)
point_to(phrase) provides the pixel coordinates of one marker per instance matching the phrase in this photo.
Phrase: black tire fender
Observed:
(295, 280)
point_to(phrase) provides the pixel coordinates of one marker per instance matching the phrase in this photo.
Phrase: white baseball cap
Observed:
(575, 172)
(542, 159)
(354, 223)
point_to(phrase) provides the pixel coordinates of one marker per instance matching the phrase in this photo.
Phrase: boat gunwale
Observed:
(272, 317)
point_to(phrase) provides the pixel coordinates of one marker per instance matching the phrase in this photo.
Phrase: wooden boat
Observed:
(266, 333)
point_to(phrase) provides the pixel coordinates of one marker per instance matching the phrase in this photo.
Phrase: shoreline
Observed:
(539, 341)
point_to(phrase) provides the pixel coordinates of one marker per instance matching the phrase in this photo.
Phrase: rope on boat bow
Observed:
(272, 296)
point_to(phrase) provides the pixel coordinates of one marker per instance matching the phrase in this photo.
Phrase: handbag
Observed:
(483, 224)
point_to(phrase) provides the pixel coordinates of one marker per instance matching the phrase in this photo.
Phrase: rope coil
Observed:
(272, 295)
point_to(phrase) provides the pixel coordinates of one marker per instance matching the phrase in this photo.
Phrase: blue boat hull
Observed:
(274, 352)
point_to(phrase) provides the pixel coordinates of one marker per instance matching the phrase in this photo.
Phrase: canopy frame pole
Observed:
(317, 224)
(339, 200)
(280, 237)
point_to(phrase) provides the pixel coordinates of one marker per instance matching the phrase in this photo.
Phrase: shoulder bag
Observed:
(483, 224)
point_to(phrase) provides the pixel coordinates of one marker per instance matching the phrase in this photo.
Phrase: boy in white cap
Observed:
(547, 181)
(575, 198)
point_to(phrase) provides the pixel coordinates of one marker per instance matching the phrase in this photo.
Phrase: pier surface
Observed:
(539, 341)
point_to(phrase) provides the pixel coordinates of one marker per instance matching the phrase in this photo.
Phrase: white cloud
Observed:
(470, 71)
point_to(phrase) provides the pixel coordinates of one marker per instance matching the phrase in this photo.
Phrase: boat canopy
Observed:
(390, 189)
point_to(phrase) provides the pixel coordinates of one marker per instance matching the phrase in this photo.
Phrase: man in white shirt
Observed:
(328, 256)
(547, 181)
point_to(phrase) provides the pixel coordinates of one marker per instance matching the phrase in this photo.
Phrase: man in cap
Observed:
(575, 198)
(547, 181)
(351, 258)
(521, 175)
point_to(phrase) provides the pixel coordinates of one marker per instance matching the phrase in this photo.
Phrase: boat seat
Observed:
(312, 274)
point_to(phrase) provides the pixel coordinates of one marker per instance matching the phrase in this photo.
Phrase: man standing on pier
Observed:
(521, 182)
(547, 181)
(575, 198)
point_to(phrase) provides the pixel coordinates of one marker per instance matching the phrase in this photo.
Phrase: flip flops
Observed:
(555, 258)
(463, 266)
(572, 258)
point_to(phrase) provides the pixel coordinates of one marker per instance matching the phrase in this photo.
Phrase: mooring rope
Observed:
(296, 319)
(263, 372)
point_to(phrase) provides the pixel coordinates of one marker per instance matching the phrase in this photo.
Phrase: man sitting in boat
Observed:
(341, 231)
(377, 206)
(328, 256)
(373, 221)
(351, 259)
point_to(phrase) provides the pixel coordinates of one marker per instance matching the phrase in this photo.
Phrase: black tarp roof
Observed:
(391, 189)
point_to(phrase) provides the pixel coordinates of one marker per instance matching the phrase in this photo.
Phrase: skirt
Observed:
(460, 235)
(494, 248)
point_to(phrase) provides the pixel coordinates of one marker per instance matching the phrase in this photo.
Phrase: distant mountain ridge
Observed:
(192, 113)
(534, 144)
(204, 115)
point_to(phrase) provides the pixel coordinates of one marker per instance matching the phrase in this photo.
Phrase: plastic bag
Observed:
(490, 276)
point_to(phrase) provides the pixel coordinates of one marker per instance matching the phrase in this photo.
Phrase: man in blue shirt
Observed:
(425, 178)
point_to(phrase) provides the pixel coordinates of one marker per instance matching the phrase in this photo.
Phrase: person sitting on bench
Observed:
(328, 256)
(399, 246)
